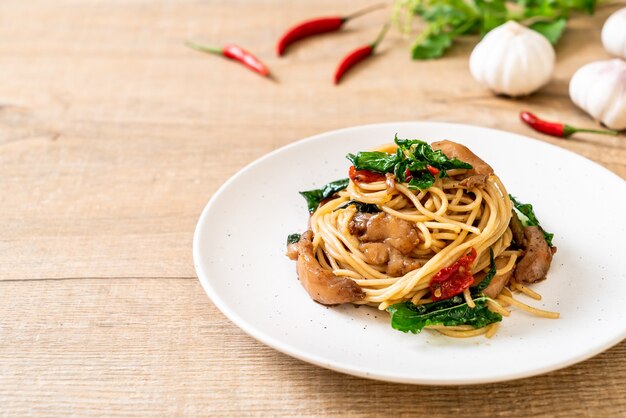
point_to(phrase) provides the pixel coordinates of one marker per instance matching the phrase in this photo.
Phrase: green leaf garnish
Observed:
(408, 317)
(490, 274)
(293, 238)
(315, 196)
(526, 215)
(413, 155)
(361, 207)
(421, 180)
(380, 162)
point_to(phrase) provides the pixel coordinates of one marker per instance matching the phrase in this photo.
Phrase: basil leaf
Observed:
(528, 218)
(551, 30)
(412, 156)
(423, 152)
(421, 180)
(490, 274)
(438, 159)
(315, 196)
(293, 238)
(417, 165)
(361, 207)
(408, 317)
(380, 162)
(407, 143)
(400, 171)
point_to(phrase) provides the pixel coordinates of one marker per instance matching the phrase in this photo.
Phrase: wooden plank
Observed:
(120, 347)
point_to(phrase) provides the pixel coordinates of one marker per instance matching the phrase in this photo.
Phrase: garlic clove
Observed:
(614, 33)
(599, 88)
(513, 60)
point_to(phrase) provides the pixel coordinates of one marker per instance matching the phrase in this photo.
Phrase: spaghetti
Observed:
(424, 232)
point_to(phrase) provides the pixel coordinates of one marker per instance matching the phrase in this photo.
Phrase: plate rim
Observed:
(330, 364)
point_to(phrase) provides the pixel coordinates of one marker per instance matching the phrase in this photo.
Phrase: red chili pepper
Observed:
(432, 170)
(364, 176)
(455, 278)
(407, 175)
(560, 130)
(358, 55)
(236, 53)
(315, 27)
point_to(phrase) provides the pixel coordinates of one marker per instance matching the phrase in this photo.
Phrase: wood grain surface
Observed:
(113, 136)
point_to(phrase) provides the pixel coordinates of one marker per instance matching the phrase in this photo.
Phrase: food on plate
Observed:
(428, 233)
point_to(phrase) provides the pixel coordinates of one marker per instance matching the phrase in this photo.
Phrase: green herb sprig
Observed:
(447, 20)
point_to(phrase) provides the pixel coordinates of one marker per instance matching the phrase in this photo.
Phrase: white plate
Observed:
(239, 254)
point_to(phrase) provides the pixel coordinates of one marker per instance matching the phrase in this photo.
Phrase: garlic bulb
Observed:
(599, 88)
(614, 33)
(513, 60)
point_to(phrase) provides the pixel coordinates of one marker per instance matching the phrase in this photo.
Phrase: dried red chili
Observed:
(236, 53)
(364, 176)
(455, 278)
(358, 55)
(432, 170)
(317, 26)
(560, 130)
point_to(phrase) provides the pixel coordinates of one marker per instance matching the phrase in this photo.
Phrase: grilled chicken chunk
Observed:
(499, 281)
(379, 253)
(381, 227)
(386, 239)
(480, 171)
(535, 263)
(322, 285)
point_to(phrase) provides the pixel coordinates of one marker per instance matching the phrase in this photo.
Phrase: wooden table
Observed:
(113, 136)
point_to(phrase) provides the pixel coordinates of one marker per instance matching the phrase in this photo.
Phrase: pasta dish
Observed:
(427, 232)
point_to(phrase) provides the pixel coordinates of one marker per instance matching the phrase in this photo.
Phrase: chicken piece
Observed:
(497, 282)
(322, 285)
(400, 264)
(480, 171)
(375, 252)
(379, 254)
(386, 239)
(535, 263)
(382, 227)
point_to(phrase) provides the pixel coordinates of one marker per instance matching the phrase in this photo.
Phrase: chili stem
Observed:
(380, 37)
(363, 11)
(205, 48)
(594, 131)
